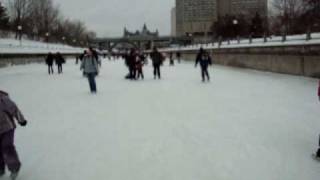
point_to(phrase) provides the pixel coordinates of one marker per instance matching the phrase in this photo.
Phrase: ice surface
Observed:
(244, 125)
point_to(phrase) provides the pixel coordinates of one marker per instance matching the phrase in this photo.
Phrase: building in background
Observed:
(246, 7)
(196, 17)
(145, 32)
(173, 22)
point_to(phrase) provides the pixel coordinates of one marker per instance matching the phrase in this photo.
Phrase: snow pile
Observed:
(259, 42)
(243, 125)
(9, 46)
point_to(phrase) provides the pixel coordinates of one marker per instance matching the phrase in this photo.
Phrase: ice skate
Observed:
(2, 172)
(14, 176)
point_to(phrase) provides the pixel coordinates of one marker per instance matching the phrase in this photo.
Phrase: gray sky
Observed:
(108, 17)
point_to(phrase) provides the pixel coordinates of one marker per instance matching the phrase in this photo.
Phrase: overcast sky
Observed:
(108, 17)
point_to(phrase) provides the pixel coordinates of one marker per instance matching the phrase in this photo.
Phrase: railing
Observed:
(307, 38)
(16, 48)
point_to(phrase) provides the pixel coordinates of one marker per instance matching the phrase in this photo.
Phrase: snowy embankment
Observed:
(12, 46)
(244, 125)
(259, 42)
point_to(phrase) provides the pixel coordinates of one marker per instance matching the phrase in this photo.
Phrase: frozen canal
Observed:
(244, 125)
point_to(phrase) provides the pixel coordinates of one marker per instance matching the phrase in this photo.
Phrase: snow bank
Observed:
(9, 46)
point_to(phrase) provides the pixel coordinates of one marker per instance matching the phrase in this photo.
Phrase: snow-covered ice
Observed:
(244, 125)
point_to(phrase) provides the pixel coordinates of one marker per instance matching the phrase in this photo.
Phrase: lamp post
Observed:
(74, 41)
(64, 40)
(20, 32)
(235, 24)
(47, 38)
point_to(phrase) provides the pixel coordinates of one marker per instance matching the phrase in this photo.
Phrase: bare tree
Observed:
(42, 19)
(288, 13)
(18, 10)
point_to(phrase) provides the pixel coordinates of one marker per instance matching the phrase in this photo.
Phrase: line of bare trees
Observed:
(284, 17)
(43, 20)
(295, 16)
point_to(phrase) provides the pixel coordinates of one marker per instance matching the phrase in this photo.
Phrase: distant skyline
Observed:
(108, 17)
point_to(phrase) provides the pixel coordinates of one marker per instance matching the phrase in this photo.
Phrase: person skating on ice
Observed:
(318, 152)
(139, 66)
(9, 114)
(59, 61)
(157, 60)
(90, 67)
(204, 59)
(132, 59)
(171, 59)
(49, 62)
(178, 57)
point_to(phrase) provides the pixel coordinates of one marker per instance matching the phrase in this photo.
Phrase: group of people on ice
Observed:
(58, 59)
(135, 60)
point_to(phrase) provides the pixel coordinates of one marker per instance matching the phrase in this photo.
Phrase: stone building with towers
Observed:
(145, 32)
(196, 17)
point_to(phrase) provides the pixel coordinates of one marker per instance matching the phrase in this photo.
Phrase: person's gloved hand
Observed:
(24, 123)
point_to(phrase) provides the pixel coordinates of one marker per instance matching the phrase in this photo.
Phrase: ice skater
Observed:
(59, 61)
(139, 66)
(319, 90)
(157, 60)
(90, 67)
(317, 155)
(204, 59)
(178, 57)
(9, 112)
(171, 59)
(49, 62)
(131, 61)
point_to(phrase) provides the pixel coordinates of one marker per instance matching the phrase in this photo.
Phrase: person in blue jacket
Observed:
(204, 59)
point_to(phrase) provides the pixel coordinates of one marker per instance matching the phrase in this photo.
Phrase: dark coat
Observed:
(319, 89)
(59, 59)
(157, 58)
(49, 60)
(132, 60)
(203, 59)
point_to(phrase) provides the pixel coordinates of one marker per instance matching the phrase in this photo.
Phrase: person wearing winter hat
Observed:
(9, 112)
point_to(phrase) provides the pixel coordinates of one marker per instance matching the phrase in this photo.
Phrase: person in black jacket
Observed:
(204, 59)
(49, 62)
(171, 59)
(157, 60)
(59, 61)
(178, 56)
(132, 59)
